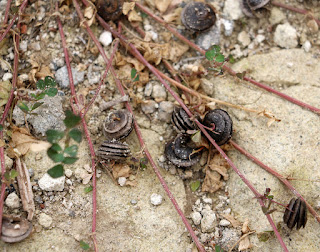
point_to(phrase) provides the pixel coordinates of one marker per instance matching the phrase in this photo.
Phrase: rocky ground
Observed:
(280, 49)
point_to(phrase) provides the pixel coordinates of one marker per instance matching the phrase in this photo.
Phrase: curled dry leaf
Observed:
(133, 16)
(89, 14)
(127, 7)
(121, 60)
(245, 242)
(5, 87)
(173, 17)
(235, 223)
(162, 5)
(120, 170)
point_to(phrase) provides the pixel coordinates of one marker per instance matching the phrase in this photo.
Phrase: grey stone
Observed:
(45, 220)
(12, 201)
(165, 111)
(232, 9)
(224, 223)
(230, 237)
(286, 36)
(276, 16)
(228, 26)
(148, 106)
(68, 173)
(49, 115)
(208, 222)
(207, 86)
(148, 89)
(209, 38)
(62, 77)
(47, 183)
(159, 92)
(156, 199)
(196, 217)
(244, 38)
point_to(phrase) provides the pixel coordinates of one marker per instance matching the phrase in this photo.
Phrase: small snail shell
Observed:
(257, 4)
(118, 124)
(222, 123)
(113, 150)
(181, 120)
(198, 16)
(12, 234)
(180, 151)
(110, 9)
(296, 214)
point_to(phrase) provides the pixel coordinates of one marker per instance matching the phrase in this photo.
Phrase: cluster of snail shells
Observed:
(181, 151)
(117, 125)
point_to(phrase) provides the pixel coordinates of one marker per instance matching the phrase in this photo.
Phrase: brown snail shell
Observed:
(180, 151)
(295, 214)
(197, 16)
(118, 124)
(257, 4)
(249, 7)
(222, 123)
(113, 150)
(181, 120)
(110, 9)
(15, 229)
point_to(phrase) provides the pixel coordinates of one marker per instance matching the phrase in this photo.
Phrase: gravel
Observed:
(196, 218)
(12, 201)
(47, 183)
(286, 36)
(156, 199)
(208, 222)
(62, 77)
(45, 220)
(105, 38)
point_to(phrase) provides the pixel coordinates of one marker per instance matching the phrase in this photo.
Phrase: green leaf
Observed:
(71, 150)
(84, 245)
(13, 174)
(54, 136)
(38, 96)
(134, 75)
(231, 59)
(51, 92)
(36, 105)
(49, 81)
(71, 119)
(88, 189)
(264, 236)
(220, 58)
(56, 171)
(210, 55)
(195, 185)
(54, 155)
(196, 137)
(69, 160)
(23, 107)
(76, 135)
(218, 248)
(143, 163)
(40, 84)
(56, 147)
(1, 127)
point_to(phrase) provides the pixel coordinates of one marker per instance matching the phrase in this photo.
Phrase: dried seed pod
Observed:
(296, 213)
(198, 16)
(15, 229)
(118, 124)
(110, 9)
(180, 151)
(113, 150)
(221, 123)
(181, 120)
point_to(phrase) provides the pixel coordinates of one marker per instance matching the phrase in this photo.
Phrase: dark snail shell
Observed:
(296, 214)
(113, 150)
(250, 6)
(181, 120)
(118, 124)
(222, 123)
(15, 229)
(180, 151)
(110, 9)
(198, 16)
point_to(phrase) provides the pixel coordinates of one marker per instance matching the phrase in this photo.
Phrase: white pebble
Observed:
(105, 38)
(7, 76)
(13, 201)
(156, 199)
(45, 220)
(122, 181)
(224, 223)
(47, 183)
(68, 173)
(196, 217)
(306, 46)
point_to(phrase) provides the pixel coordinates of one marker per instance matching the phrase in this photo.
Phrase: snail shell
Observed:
(222, 123)
(198, 16)
(295, 214)
(257, 4)
(118, 124)
(113, 150)
(181, 120)
(15, 230)
(180, 151)
(110, 9)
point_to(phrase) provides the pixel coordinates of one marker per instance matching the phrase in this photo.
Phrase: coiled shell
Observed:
(15, 229)
(198, 16)
(118, 124)
(222, 123)
(296, 214)
(110, 9)
(113, 150)
(249, 7)
(181, 120)
(181, 151)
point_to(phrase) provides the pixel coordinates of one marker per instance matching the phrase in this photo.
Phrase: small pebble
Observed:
(122, 181)
(224, 223)
(47, 183)
(45, 220)
(7, 76)
(68, 173)
(148, 106)
(133, 202)
(286, 36)
(156, 199)
(159, 92)
(306, 46)
(13, 201)
(105, 38)
(196, 217)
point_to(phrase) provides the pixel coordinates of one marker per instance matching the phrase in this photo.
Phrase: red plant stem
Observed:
(87, 133)
(298, 10)
(225, 67)
(6, 15)
(21, 9)
(4, 115)
(139, 135)
(279, 176)
(178, 99)
(102, 79)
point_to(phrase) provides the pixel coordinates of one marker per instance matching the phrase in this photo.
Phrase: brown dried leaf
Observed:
(245, 244)
(173, 17)
(120, 170)
(134, 16)
(126, 7)
(212, 181)
(245, 227)
(218, 164)
(233, 221)
(5, 87)
(162, 5)
(44, 71)
(2, 143)
(89, 14)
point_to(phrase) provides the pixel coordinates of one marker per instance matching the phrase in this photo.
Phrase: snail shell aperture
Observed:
(198, 16)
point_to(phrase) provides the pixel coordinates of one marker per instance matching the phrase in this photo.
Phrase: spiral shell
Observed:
(181, 120)
(222, 123)
(118, 124)
(296, 214)
(113, 150)
(110, 9)
(198, 16)
(15, 229)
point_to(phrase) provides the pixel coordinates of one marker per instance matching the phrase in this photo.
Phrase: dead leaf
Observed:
(134, 16)
(233, 221)
(245, 227)
(245, 244)
(89, 14)
(5, 88)
(120, 170)
(131, 183)
(126, 7)
(162, 5)
(173, 17)
(44, 71)
(2, 143)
